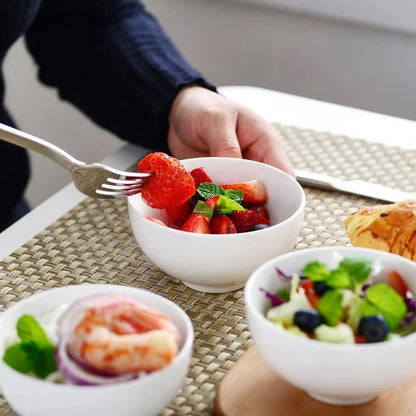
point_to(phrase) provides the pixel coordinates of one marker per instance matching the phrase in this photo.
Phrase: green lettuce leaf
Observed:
(382, 299)
(330, 306)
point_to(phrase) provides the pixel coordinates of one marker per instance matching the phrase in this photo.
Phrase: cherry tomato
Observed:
(310, 293)
(396, 282)
(359, 339)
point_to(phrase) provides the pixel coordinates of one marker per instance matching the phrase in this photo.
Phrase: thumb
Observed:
(221, 138)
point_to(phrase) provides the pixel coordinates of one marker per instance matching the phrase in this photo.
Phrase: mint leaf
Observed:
(34, 353)
(316, 271)
(338, 279)
(31, 348)
(226, 205)
(28, 329)
(234, 194)
(387, 302)
(45, 362)
(16, 357)
(359, 269)
(202, 208)
(208, 190)
(330, 306)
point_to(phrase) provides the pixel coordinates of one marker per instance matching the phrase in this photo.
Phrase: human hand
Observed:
(204, 123)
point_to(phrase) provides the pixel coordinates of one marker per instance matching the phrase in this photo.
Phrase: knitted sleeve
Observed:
(112, 60)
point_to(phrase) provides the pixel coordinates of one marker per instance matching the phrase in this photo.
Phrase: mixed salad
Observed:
(355, 302)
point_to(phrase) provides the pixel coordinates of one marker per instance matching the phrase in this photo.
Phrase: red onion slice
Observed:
(77, 375)
(75, 311)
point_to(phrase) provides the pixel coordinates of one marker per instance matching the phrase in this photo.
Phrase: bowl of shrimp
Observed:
(93, 350)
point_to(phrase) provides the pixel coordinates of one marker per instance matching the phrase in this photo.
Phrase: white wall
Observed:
(236, 42)
(351, 64)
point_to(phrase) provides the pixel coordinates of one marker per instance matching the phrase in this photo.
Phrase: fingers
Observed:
(220, 136)
(260, 141)
(203, 123)
(278, 157)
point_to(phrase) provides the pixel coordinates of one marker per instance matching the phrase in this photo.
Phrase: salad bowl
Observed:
(334, 373)
(219, 263)
(145, 395)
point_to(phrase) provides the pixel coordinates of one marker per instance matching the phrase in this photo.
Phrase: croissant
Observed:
(385, 227)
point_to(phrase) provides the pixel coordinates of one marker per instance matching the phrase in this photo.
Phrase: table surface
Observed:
(71, 239)
(274, 106)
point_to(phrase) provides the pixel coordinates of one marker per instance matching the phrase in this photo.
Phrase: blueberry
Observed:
(307, 320)
(320, 288)
(259, 227)
(373, 328)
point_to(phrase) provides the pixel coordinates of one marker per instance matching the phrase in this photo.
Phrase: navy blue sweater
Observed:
(110, 58)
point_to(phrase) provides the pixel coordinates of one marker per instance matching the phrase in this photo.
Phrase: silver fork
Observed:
(94, 179)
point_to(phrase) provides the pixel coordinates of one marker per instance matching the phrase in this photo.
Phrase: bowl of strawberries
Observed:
(210, 222)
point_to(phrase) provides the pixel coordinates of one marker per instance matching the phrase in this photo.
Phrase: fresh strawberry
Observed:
(245, 220)
(197, 223)
(178, 215)
(199, 176)
(254, 191)
(212, 202)
(170, 185)
(221, 224)
(157, 221)
(262, 211)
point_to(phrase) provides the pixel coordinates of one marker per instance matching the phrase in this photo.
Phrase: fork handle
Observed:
(28, 141)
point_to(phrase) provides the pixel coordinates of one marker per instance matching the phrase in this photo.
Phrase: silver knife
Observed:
(356, 187)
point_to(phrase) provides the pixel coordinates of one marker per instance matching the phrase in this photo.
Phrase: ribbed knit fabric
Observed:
(110, 58)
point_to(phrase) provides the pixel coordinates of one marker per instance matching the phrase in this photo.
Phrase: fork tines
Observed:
(121, 187)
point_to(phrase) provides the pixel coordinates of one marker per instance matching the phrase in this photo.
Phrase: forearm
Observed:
(113, 61)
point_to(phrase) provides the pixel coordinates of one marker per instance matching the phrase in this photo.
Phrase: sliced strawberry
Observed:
(245, 220)
(199, 176)
(197, 223)
(170, 184)
(178, 215)
(262, 211)
(212, 202)
(254, 191)
(221, 224)
(157, 221)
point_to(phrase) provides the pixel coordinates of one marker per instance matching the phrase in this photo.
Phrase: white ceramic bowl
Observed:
(29, 396)
(333, 373)
(221, 263)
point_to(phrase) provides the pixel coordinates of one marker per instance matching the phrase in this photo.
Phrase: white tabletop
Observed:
(273, 106)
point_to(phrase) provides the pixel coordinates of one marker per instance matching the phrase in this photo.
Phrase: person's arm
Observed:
(112, 60)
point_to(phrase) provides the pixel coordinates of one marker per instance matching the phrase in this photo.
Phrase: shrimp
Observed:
(119, 335)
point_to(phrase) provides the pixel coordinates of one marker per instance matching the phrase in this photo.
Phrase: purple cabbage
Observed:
(411, 311)
(275, 300)
(280, 272)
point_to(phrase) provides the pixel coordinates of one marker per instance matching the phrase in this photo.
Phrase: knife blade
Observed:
(355, 187)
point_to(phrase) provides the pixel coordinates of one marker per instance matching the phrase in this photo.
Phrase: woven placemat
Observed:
(93, 244)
